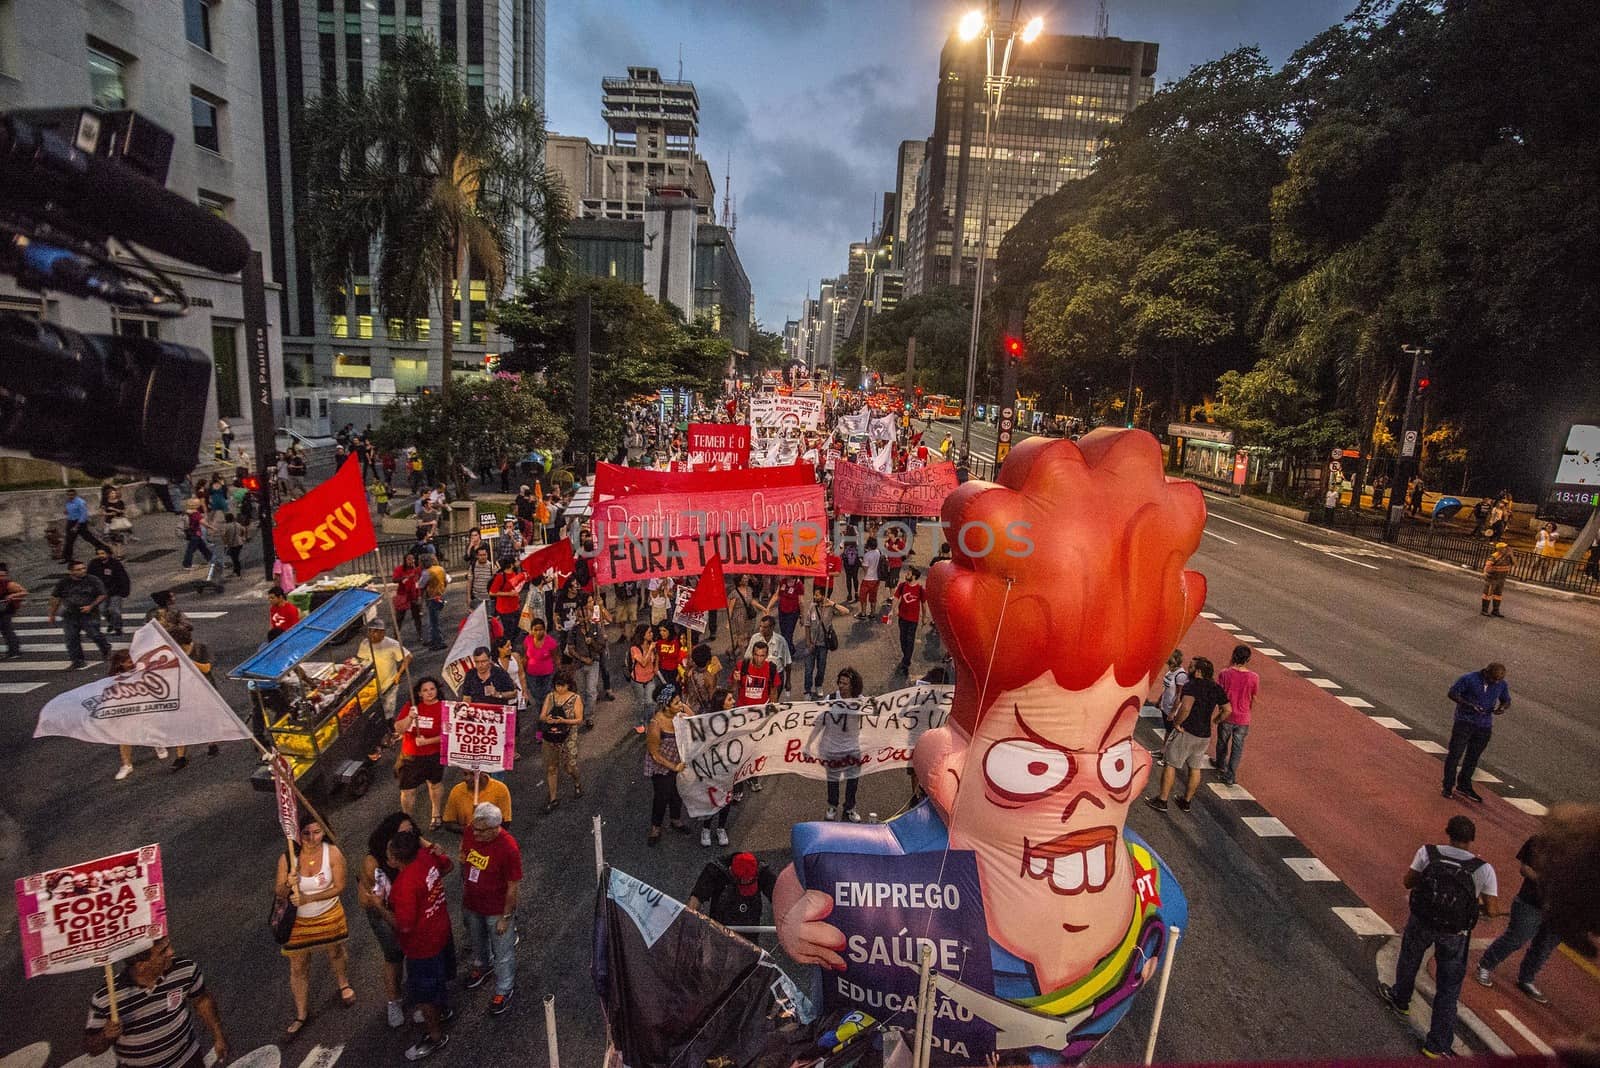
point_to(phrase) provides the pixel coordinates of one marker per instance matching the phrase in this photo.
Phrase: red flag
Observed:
(327, 526)
(557, 555)
(712, 593)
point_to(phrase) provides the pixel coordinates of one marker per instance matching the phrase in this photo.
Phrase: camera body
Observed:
(72, 180)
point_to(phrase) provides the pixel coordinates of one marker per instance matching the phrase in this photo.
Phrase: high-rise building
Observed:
(1064, 91)
(907, 166)
(309, 47)
(193, 68)
(652, 127)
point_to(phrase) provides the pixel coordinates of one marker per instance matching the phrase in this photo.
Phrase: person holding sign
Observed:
(314, 885)
(488, 683)
(561, 716)
(662, 762)
(420, 724)
(150, 1021)
(471, 792)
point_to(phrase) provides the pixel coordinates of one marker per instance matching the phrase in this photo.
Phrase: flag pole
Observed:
(1161, 994)
(111, 993)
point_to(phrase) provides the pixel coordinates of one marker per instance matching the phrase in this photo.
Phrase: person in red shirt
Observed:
(835, 565)
(894, 551)
(422, 927)
(281, 613)
(755, 681)
(912, 601)
(670, 651)
(491, 872)
(505, 590)
(787, 599)
(419, 725)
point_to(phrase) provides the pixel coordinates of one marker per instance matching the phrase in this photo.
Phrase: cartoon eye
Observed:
(1116, 765)
(1022, 770)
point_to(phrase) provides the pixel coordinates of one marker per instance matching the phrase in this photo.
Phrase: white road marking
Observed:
(1358, 563)
(1209, 615)
(1231, 793)
(1528, 805)
(1362, 920)
(1268, 826)
(322, 1056)
(1250, 638)
(1311, 869)
(35, 665)
(1219, 537)
(1295, 665)
(20, 687)
(1329, 550)
(1392, 723)
(1270, 652)
(1247, 526)
(1421, 1018)
(1426, 746)
(46, 619)
(1483, 776)
(1354, 702)
(61, 647)
(1323, 684)
(1227, 627)
(1526, 1032)
(34, 1056)
(1485, 1033)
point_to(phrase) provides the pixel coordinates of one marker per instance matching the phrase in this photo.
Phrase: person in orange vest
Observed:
(1494, 577)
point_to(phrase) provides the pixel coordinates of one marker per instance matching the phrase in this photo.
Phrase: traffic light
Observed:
(918, 391)
(251, 483)
(1423, 380)
(1014, 347)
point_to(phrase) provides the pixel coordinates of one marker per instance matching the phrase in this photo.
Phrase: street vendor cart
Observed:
(323, 712)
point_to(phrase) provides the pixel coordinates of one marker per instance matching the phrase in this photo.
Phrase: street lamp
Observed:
(972, 24)
(866, 302)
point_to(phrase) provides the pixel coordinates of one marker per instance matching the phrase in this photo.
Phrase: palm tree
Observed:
(412, 166)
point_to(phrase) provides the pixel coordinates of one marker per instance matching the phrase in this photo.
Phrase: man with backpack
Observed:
(755, 679)
(1450, 889)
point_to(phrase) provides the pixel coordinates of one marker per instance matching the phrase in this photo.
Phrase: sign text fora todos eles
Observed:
(90, 914)
(478, 737)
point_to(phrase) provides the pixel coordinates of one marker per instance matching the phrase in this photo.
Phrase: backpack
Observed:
(851, 556)
(1445, 898)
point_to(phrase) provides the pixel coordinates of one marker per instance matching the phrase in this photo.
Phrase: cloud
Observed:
(777, 14)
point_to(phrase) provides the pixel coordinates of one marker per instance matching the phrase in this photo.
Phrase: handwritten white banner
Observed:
(814, 739)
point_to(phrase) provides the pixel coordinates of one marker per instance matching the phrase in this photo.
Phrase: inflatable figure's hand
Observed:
(800, 917)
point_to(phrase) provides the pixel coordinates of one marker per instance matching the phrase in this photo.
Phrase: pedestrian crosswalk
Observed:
(44, 652)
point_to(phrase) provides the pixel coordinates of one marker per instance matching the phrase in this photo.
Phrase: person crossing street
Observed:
(1480, 696)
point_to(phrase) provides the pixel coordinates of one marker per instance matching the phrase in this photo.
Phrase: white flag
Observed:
(855, 422)
(883, 459)
(474, 633)
(164, 700)
(883, 428)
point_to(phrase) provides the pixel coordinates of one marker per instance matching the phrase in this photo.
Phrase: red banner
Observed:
(859, 490)
(327, 526)
(611, 480)
(778, 531)
(556, 556)
(724, 445)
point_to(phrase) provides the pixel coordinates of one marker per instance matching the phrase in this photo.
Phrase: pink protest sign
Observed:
(90, 914)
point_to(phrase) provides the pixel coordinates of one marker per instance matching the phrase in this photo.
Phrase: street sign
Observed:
(1408, 444)
(1008, 419)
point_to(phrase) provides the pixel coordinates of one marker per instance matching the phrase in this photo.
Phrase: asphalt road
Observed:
(1260, 974)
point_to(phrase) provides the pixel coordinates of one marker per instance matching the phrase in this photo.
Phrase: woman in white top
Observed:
(319, 922)
(507, 657)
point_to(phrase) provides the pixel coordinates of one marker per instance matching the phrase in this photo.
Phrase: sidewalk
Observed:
(1361, 797)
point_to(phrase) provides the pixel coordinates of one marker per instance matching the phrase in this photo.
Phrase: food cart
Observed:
(323, 713)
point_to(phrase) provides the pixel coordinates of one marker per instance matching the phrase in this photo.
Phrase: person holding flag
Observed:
(313, 882)
(505, 590)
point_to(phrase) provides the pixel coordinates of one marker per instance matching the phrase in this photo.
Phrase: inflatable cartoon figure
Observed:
(1065, 593)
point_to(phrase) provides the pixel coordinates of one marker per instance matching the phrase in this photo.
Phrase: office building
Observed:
(192, 68)
(652, 128)
(1064, 92)
(908, 165)
(309, 47)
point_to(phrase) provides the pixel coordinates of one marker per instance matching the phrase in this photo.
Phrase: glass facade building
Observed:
(1062, 95)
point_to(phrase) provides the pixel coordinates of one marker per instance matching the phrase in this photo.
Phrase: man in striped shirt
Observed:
(155, 1026)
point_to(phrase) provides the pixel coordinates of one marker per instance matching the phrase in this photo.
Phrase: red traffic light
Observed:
(919, 391)
(251, 483)
(1014, 346)
(1423, 383)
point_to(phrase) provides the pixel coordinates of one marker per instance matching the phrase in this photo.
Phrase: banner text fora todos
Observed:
(780, 531)
(90, 914)
(811, 738)
(478, 737)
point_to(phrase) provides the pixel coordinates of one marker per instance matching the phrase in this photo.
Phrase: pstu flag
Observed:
(556, 558)
(163, 701)
(327, 526)
(474, 635)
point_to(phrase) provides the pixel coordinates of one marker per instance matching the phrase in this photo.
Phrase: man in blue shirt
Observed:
(1479, 696)
(78, 525)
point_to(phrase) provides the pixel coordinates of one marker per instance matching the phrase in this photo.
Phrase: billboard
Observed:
(1577, 478)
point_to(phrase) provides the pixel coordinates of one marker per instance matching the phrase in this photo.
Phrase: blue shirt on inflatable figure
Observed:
(1064, 595)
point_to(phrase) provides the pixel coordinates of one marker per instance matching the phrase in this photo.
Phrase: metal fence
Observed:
(1474, 552)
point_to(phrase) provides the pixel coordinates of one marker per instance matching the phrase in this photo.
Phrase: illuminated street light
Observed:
(972, 24)
(1032, 30)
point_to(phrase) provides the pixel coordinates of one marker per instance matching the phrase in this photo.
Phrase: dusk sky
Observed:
(813, 97)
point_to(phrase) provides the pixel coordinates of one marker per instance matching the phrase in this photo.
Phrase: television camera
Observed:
(72, 182)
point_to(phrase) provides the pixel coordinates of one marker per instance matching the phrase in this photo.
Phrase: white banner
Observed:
(478, 737)
(810, 738)
(474, 634)
(163, 701)
(773, 451)
(695, 621)
(855, 422)
(769, 411)
(883, 428)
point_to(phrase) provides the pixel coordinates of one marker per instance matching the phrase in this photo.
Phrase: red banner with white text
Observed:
(721, 445)
(610, 480)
